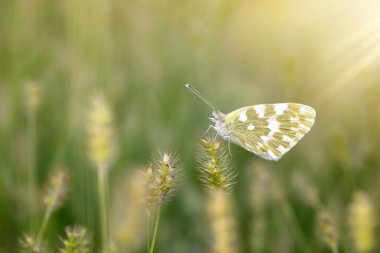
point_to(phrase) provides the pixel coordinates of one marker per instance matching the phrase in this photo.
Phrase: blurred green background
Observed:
(139, 54)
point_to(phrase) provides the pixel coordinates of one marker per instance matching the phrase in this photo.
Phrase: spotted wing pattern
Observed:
(270, 130)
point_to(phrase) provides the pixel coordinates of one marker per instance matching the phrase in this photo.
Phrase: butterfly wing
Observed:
(270, 130)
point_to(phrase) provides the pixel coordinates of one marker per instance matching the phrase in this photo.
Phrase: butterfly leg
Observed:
(215, 133)
(208, 129)
(229, 146)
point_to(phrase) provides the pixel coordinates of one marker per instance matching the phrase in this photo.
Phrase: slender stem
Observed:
(148, 234)
(45, 222)
(102, 182)
(31, 128)
(155, 230)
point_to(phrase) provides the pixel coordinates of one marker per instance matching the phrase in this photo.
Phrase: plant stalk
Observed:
(44, 224)
(31, 128)
(155, 230)
(148, 233)
(102, 191)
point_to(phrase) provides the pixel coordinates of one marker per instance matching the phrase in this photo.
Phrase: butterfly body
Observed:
(220, 125)
(268, 130)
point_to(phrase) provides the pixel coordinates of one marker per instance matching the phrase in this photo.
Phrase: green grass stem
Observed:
(102, 192)
(32, 177)
(155, 230)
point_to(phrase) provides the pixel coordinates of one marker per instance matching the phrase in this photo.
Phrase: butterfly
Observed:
(267, 130)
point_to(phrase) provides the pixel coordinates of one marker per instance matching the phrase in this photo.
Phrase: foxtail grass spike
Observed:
(56, 190)
(100, 141)
(29, 244)
(362, 222)
(77, 240)
(327, 231)
(160, 181)
(214, 164)
(166, 174)
(56, 193)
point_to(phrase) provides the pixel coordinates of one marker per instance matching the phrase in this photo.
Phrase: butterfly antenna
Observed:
(193, 90)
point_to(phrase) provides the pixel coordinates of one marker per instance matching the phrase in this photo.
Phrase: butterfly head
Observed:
(217, 116)
(219, 119)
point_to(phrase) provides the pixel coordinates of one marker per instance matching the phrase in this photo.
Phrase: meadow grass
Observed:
(96, 86)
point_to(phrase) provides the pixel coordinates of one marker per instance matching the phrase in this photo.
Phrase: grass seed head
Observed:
(56, 190)
(362, 222)
(77, 240)
(100, 143)
(214, 164)
(166, 176)
(160, 179)
(29, 244)
(327, 231)
(150, 196)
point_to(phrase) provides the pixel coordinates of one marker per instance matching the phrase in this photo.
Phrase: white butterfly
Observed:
(267, 130)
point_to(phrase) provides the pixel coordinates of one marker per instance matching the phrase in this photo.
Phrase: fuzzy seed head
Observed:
(327, 230)
(77, 240)
(214, 164)
(222, 223)
(32, 97)
(362, 222)
(29, 244)
(56, 190)
(166, 171)
(160, 179)
(150, 196)
(100, 133)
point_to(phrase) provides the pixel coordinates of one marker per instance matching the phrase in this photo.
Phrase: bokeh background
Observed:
(139, 54)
